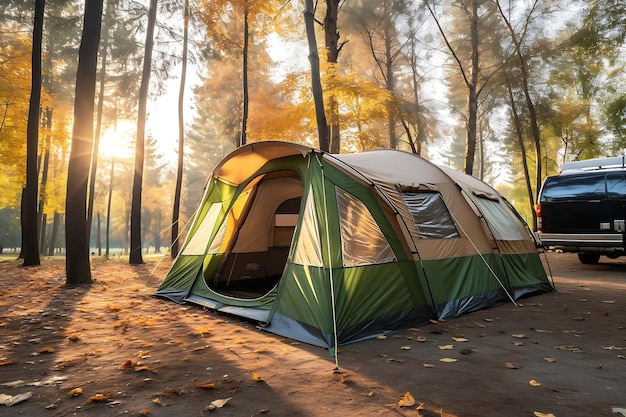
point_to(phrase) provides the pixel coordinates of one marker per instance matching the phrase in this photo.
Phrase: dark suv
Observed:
(583, 209)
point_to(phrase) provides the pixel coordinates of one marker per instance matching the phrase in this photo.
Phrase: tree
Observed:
(76, 235)
(30, 235)
(244, 73)
(181, 137)
(135, 218)
(517, 39)
(469, 76)
(316, 83)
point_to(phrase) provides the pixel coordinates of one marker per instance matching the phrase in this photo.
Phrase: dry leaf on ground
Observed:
(407, 400)
(512, 365)
(218, 403)
(448, 360)
(99, 398)
(534, 383)
(540, 414)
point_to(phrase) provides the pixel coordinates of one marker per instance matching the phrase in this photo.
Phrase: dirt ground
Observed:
(113, 349)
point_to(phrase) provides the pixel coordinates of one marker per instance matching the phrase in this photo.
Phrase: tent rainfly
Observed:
(333, 249)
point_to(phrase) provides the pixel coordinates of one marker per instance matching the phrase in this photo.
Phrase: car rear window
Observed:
(576, 187)
(616, 185)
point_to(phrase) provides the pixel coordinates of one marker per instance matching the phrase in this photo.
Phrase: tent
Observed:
(332, 249)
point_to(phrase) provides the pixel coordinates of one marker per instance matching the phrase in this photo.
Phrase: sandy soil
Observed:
(113, 349)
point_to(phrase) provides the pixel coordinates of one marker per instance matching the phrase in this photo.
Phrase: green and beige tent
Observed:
(332, 249)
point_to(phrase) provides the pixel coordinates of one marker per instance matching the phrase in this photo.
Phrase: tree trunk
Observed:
(472, 95)
(181, 137)
(108, 225)
(98, 237)
(135, 216)
(30, 233)
(520, 141)
(244, 75)
(316, 83)
(96, 141)
(331, 38)
(391, 117)
(529, 101)
(56, 222)
(42, 218)
(76, 233)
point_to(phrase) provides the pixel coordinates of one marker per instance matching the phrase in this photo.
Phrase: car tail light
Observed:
(539, 222)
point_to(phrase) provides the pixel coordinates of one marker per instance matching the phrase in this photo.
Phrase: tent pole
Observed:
(330, 270)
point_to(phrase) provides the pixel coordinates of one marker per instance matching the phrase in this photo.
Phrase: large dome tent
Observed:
(332, 249)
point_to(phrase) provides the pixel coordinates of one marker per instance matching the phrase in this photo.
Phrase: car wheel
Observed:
(588, 258)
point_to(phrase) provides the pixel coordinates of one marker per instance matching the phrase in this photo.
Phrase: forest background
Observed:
(506, 90)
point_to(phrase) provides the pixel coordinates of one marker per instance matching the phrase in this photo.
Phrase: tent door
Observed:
(258, 253)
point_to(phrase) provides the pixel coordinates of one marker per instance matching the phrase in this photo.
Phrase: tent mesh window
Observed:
(197, 244)
(499, 219)
(430, 214)
(362, 241)
(308, 249)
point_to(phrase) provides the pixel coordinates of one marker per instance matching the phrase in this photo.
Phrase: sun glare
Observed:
(118, 141)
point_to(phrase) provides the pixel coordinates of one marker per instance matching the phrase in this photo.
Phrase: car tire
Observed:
(589, 258)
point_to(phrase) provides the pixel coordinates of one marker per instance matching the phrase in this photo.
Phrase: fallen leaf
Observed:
(75, 392)
(407, 400)
(208, 385)
(420, 339)
(428, 365)
(47, 349)
(534, 383)
(540, 414)
(520, 336)
(405, 347)
(257, 377)
(262, 350)
(448, 360)
(3, 363)
(512, 365)
(127, 364)
(619, 410)
(218, 403)
(157, 401)
(98, 398)
(446, 347)
(460, 339)
(381, 337)
(16, 399)
(519, 343)
(568, 347)
(549, 359)
(199, 348)
(144, 412)
(14, 384)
